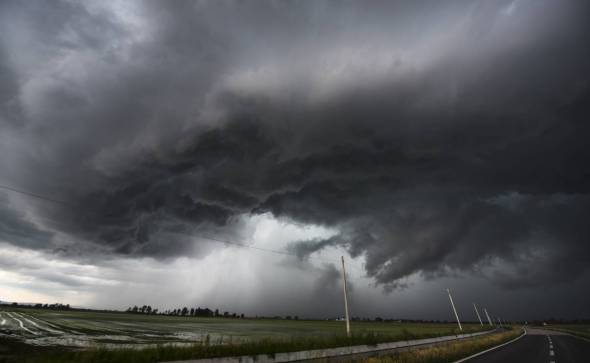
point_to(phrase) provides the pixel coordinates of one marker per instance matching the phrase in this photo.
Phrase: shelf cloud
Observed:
(440, 139)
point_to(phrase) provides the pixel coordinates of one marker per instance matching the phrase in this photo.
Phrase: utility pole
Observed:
(488, 315)
(454, 310)
(345, 300)
(477, 312)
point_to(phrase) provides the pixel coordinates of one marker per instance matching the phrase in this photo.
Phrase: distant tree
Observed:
(149, 309)
(242, 316)
(225, 314)
(135, 308)
(296, 317)
(184, 311)
(192, 311)
(288, 317)
(216, 312)
(155, 311)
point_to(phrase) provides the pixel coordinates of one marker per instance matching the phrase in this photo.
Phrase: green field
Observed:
(33, 331)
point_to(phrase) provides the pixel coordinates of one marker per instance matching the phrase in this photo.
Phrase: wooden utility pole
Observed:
(345, 300)
(454, 310)
(477, 312)
(488, 316)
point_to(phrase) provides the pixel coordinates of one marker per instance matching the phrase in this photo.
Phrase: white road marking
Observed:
(22, 326)
(551, 353)
(550, 346)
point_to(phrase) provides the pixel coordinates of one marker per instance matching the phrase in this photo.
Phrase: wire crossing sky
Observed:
(226, 242)
(433, 145)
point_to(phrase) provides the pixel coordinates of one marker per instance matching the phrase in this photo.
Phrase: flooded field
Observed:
(112, 330)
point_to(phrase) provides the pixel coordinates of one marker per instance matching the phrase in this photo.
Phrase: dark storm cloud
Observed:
(452, 142)
(15, 227)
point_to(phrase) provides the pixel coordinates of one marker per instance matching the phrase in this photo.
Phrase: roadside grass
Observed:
(582, 331)
(448, 352)
(211, 349)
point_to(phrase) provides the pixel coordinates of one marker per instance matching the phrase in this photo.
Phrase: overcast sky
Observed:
(433, 144)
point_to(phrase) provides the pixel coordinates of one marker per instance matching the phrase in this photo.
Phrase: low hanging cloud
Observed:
(452, 142)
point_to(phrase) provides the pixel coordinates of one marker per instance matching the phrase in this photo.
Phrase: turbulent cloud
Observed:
(15, 227)
(435, 139)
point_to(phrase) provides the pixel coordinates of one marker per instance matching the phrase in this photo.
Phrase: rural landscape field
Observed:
(47, 332)
(91, 329)
(270, 181)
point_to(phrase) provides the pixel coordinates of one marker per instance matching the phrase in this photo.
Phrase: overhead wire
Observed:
(35, 195)
(196, 235)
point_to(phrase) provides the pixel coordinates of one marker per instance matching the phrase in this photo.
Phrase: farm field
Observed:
(86, 329)
(39, 330)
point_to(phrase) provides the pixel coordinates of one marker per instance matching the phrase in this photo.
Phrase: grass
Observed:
(208, 349)
(155, 329)
(162, 338)
(448, 352)
(580, 330)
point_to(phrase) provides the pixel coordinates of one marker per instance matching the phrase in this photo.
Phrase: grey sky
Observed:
(434, 144)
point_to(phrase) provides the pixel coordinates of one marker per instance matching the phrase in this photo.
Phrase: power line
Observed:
(286, 253)
(213, 239)
(39, 196)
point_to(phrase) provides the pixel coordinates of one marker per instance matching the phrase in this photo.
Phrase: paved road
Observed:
(542, 346)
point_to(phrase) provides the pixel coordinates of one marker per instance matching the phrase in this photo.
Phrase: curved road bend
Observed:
(542, 346)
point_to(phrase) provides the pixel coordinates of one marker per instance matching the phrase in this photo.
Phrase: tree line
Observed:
(184, 311)
(56, 306)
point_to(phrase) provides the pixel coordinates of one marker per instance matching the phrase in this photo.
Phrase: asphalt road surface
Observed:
(540, 346)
